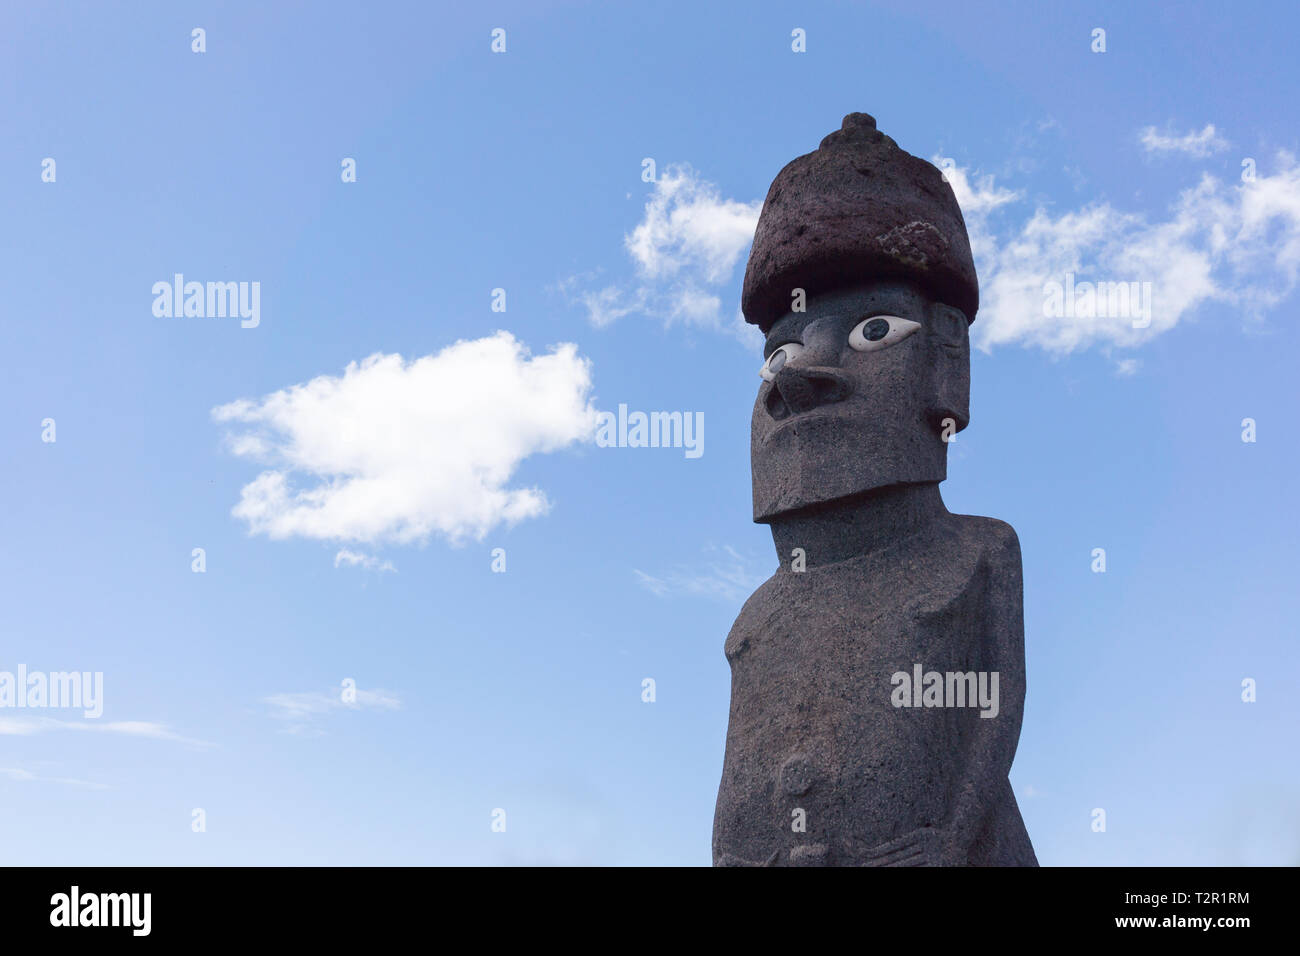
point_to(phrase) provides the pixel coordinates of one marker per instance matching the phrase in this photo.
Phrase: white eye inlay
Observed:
(776, 361)
(880, 332)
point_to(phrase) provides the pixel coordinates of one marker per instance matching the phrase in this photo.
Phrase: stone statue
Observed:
(878, 677)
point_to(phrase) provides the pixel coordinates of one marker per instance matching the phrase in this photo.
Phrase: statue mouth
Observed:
(790, 420)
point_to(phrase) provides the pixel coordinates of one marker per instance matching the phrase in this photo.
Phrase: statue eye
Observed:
(776, 361)
(880, 332)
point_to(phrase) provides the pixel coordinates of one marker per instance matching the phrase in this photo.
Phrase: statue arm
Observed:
(988, 759)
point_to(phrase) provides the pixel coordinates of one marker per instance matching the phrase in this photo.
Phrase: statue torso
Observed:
(812, 655)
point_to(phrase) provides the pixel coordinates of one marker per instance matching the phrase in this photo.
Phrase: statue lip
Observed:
(781, 425)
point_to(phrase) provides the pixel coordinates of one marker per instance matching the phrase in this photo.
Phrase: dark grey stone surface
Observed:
(823, 766)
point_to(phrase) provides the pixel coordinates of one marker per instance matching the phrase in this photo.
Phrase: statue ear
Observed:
(949, 336)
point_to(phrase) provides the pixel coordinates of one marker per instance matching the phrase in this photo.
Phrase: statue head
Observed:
(862, 280)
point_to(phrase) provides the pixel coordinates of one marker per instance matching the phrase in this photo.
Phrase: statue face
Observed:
(857, 393)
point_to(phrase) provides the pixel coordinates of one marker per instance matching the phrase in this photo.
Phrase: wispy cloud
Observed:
(1198, 144)
(26, 776)
(29, 726)
(357, 559)
(683, 252)
(725, 574)
(300, 711)
(396, 451)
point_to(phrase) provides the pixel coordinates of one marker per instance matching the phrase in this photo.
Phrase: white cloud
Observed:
(29, 726)
(979, 197)
(689, 228)
(684, 251)
(396, 451)
(299, 710)
(1236, 245)
(355, 559)
(1201, 144)
(727, 576)
(608, 305)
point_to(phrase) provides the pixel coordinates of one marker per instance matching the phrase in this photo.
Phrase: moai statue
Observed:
(878, 678)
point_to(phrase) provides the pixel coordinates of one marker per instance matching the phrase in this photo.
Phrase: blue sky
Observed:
(366, 555)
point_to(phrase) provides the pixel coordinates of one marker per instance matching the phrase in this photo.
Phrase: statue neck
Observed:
(858, 525)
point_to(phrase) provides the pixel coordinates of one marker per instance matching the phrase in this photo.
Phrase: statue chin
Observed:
(828, 457)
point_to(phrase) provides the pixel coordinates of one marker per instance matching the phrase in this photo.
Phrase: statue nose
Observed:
(797, 389)
(813, 378)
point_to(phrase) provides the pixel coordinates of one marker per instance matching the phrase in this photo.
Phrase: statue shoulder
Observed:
(764, 596)
(998, 548)
(994, 539)
(756, 613)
